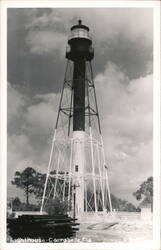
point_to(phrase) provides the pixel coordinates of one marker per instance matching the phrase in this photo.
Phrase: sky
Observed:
(123, 76)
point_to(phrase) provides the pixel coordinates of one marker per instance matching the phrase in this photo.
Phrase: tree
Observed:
(122, 205)
(26, 180)
(117, 203)
(145, 191)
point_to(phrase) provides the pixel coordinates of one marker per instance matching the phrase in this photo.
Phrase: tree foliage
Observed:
(17, 205)
(145, 191)
(26, 180)
(34, 182)
(57, 207)
(117, 203)
(122, 205)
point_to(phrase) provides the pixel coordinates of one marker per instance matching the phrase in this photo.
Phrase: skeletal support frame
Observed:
(61, 179)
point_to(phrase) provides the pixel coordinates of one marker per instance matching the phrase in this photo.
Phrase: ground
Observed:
(119, 227)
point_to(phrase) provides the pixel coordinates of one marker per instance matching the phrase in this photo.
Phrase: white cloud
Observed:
(41, 42)
(15, 103)
(126, 116)
(48, 30)
(39, 118)
(127, 107)
(29, 143)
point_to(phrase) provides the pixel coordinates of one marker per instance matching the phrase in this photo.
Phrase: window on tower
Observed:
(76, 168)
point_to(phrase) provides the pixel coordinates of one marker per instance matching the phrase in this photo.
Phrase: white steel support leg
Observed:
(108, 188)
(65, 178)
(93, 170)
(57, 173)
(64, 184)
(107, 182)
(101, 179)
(49, 194)
(48, 171)
(85, 185)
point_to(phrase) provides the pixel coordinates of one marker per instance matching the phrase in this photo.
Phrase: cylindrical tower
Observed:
(79, 51)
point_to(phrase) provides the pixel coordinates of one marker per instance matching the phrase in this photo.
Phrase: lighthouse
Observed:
(77, 165)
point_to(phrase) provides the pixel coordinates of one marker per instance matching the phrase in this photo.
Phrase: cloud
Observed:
(46, 33)
(128, 106)
(37, 40)
(39, 117)
(42, 42)
(126, 40)
(128, 22)
(30, 129)
(127, 122)
(14, 97)
(16, 104)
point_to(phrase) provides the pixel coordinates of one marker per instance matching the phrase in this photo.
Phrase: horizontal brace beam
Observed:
(66, 109)
(87, 114)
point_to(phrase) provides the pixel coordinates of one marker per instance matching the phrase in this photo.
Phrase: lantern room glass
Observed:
(79, 32)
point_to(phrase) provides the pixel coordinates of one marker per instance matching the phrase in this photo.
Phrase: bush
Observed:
(17, 205)
(57, 207)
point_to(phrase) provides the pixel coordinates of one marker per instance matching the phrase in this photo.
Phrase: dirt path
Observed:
(122, 230)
